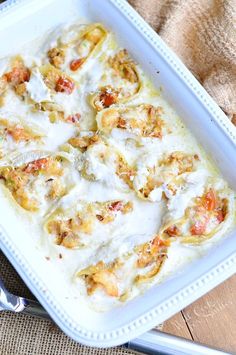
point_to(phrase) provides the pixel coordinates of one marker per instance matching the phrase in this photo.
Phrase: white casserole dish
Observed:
(24, 20)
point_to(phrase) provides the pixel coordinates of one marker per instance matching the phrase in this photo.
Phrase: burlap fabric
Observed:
(25, 335)
(203, 34)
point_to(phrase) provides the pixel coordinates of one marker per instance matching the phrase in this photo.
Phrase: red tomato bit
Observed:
(220, 216)
(172, 231)
(108, 97)
(18, 75)
(76, 64)
(198, 228)
(65, 85)
(36, 165)
(157, 241)
(73, 118)
(116, 206)
(209, 200)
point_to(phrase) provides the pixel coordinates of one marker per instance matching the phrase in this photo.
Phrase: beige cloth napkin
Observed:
(203, 34)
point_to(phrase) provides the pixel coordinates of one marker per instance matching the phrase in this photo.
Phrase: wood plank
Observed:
(176, 325)
(212, 319)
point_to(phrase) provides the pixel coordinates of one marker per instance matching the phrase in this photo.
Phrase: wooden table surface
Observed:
(211, 320)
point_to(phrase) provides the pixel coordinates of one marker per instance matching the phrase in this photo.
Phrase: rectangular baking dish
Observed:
(24, 20)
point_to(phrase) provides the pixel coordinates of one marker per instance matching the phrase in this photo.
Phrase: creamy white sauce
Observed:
(106, 242)
(36, 87)
(178, 203)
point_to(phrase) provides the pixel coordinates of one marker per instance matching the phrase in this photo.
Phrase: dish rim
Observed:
(204, 283)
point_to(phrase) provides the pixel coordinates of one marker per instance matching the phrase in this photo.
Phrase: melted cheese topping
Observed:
(103, 169)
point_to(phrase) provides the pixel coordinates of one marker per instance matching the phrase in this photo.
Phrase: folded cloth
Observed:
(203, 34)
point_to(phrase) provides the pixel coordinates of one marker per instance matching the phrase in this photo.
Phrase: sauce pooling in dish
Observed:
(92, 154)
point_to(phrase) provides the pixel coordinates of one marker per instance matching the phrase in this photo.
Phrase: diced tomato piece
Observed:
(65, 85)
(76, 64)
(74, 118)
(108, 100)
(18, 75)
(157, 241)
(36, 165)
(108, 97)
(220, 216)
(198, 228)
(116, 206)
(172, 231)
(209, 200)
(121, 123)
